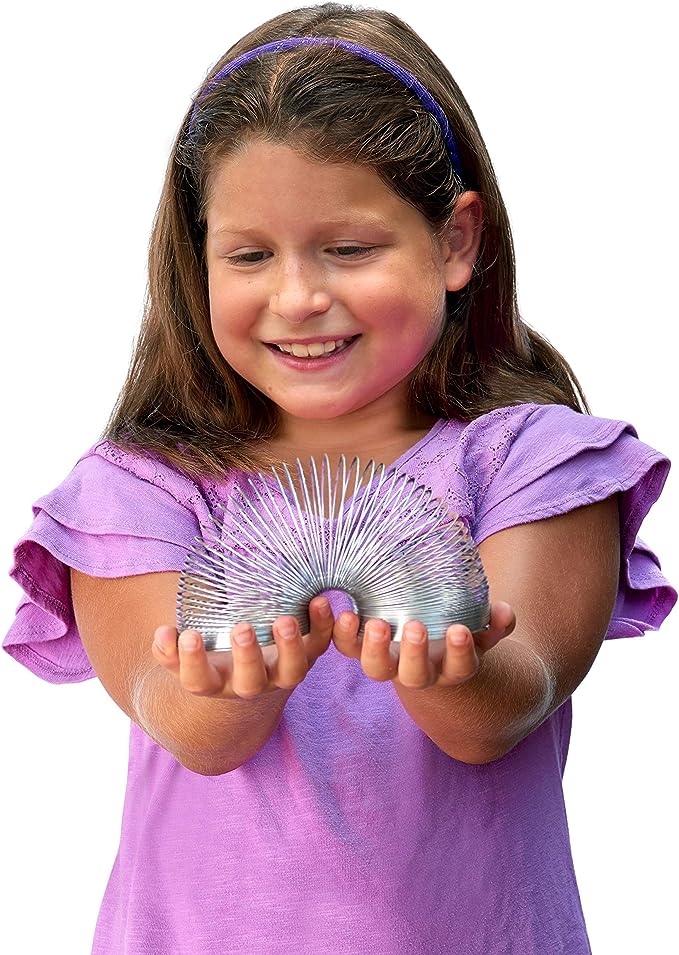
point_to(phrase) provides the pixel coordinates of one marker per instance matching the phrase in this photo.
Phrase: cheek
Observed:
(216, 308)
(418, 310)
(226, 333)
(402, 293)
(220, 332)
(228, 312)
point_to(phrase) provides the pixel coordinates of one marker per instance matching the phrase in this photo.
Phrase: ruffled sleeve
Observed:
(109, 518)
(536, 461)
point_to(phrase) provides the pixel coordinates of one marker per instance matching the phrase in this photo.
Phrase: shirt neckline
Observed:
(415, 449)
(408, 455)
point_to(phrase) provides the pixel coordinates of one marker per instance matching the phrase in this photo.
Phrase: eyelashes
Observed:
(340, 251)
(247, 258)
(344, 251)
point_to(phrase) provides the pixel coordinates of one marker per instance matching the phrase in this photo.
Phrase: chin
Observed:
(318, 413)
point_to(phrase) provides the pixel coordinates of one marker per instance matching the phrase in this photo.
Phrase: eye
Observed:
(353, 251)
(247, 258)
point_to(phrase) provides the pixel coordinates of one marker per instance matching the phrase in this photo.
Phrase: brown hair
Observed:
(181, 399)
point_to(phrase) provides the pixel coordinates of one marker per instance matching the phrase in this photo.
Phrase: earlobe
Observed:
(463, 238)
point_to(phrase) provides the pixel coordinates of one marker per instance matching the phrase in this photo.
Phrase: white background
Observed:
(577, 105)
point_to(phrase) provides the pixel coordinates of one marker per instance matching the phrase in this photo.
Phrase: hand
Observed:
(416, 663)
(248, 670)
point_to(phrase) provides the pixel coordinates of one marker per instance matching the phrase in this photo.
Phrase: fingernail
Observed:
(243, 636)
(287, 630)
(415, 634)
(189, 641)
(378, 634)
(324, 609)
(458, 638)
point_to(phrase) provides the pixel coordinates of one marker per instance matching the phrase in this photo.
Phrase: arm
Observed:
(560, 576)
(209, 728)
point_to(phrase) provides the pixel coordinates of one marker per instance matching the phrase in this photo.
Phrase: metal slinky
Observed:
(288, 535)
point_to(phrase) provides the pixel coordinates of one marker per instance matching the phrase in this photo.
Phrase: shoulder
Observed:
(531, 435)
(110, 483)
(115, 514)
(530, 463)
(481, 447)
(527, 462)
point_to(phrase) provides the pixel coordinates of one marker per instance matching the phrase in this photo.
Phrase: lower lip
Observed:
(313, 364)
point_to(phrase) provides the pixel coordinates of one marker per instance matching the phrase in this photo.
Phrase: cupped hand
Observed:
(248, 670)
(416, 662)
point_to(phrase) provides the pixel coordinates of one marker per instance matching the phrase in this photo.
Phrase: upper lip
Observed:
(309, 340)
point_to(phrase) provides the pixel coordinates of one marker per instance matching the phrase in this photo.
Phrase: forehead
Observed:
(266, 183)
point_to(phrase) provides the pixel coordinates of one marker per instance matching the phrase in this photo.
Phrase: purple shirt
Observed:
(350, 832)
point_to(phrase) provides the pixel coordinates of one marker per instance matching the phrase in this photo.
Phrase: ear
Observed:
(461, 240)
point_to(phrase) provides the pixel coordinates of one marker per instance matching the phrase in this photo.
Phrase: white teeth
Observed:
(313, 350)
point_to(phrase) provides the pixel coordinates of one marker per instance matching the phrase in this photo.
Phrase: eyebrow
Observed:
(361, 221)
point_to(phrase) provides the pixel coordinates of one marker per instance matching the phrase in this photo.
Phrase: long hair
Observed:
(181, 399)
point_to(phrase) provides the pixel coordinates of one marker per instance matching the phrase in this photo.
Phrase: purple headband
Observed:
(380, 59)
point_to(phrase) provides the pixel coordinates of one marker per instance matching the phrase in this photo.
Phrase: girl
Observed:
(331, 271)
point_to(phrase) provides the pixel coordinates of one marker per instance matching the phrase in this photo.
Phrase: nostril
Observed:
(298, 302)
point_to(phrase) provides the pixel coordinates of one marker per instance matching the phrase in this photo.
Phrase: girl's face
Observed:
(326, 289)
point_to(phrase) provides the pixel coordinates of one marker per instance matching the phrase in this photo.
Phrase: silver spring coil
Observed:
(397, 551)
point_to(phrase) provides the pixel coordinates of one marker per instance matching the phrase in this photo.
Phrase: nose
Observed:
(299, 292)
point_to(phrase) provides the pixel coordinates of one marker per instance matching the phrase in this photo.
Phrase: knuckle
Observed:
(248, 692)
(322, 630)
(288, 677)
(377, 673)
(289, 682)
(414, 682)
(172, 666)
(195, 687)
(245, 653)
(342, 637)
(462, 674)
(192, 678)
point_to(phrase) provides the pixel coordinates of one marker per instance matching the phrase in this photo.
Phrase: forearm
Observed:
(482, 719)
(207, 735)
(213, 712)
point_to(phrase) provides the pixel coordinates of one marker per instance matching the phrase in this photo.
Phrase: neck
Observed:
(381, 433)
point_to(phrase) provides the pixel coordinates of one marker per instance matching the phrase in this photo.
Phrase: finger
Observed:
(164, 648)
(461, 661)
(250, 677)
(291, 665)
(415, 669)
(345, 635)
(320, 634)
(196, 673)
(376, 657)
(502, 623)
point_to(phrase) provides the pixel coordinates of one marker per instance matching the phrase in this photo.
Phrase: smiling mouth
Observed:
(313, 350)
